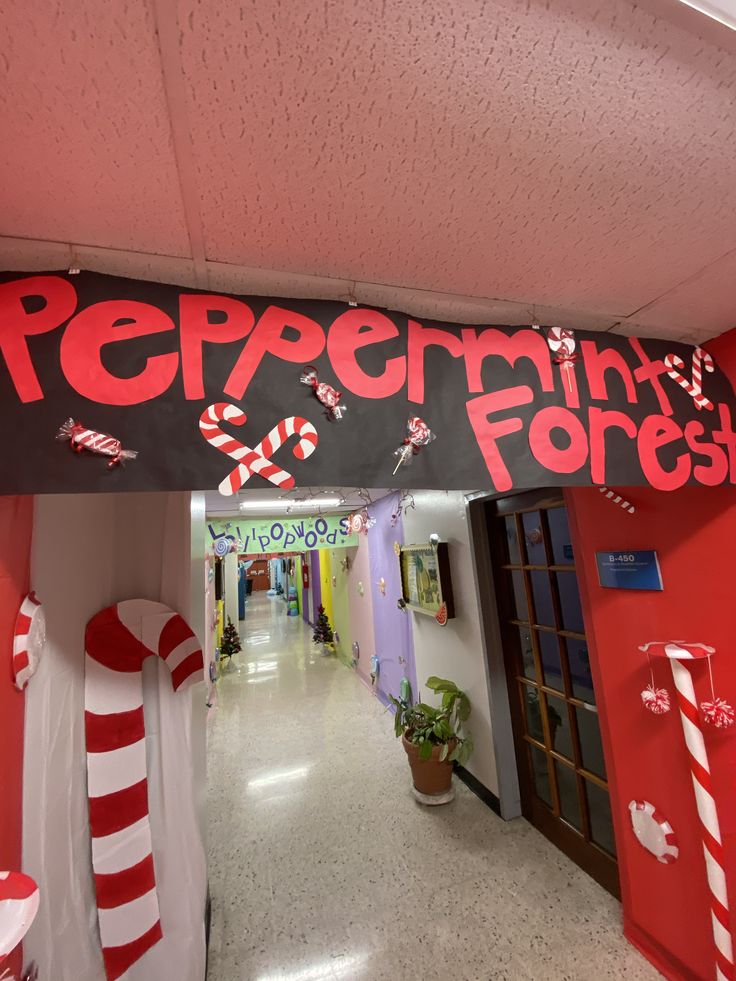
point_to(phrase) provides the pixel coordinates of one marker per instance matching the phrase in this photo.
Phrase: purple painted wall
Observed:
(315, 584)
(393, 638)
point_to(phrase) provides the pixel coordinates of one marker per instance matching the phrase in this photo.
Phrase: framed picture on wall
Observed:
(425, 578)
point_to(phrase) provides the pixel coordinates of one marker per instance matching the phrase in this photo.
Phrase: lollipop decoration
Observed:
(561, 342)
(418, 434)
(327, 395)
(81, 438)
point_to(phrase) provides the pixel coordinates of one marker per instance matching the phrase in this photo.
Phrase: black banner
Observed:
(157, 367)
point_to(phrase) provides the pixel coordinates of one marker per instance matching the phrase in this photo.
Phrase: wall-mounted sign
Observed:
(626, 569)
(206, 388)
(257, 535)
(426, 585)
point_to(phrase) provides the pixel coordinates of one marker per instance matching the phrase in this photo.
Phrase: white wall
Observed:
(90, 551)
(454, 651)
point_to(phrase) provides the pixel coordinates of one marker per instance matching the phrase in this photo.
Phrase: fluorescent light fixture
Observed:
(724, 11)
(283, 503)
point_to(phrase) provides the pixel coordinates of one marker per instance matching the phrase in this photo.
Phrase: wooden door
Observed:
(562, 772)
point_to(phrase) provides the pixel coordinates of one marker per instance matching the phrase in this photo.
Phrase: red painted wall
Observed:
(16, 523)
(666, 907)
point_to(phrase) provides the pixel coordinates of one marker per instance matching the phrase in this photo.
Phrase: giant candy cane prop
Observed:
(118, 640)
(678, 653)
(257, 460)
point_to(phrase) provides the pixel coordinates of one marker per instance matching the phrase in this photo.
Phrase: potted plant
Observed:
(433, 738)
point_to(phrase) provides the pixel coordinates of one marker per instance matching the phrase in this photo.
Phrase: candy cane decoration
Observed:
(19, 899)
(29, 638)
(255, 460)
(701, 360)
(617, 499)
(118, 640)
(678, 653)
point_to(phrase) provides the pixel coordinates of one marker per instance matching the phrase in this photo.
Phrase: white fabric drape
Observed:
(90, 551)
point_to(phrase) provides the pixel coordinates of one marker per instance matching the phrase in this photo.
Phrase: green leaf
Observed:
(425, 750)
(444, 751)
(441, 684)
(463, 707)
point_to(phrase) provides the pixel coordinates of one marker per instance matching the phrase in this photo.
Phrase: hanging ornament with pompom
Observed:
(657, 700)
(717, 712)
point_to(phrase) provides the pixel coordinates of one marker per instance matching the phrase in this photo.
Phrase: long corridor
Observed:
(322, 865)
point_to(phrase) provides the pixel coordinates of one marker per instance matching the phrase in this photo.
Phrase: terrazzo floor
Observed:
(323, 866)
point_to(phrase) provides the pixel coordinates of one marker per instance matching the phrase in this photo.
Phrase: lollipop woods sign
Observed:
(215, 390)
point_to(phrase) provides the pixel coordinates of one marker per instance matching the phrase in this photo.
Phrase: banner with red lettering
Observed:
(211, 391)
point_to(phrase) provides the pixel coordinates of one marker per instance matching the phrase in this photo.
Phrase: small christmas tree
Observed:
(230, 641)
(322, 629)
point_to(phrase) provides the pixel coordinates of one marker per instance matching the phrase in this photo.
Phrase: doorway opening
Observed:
(554, 714)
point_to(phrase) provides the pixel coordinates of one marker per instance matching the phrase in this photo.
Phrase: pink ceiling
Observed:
(573, 155)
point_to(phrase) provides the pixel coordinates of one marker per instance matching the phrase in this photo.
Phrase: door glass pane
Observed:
(533, 713)
(601, 826)
(527, 655)
(572, 614)
(520, 607)
(559, 534)
(549, 648)
(542, 595)
(559, 726)
(512, 539)
(579, 661)
(533, 538)
(541, 776)
(591, 750)
(567, 789)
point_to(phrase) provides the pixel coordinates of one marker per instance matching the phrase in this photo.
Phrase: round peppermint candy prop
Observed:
(19, 899)
(562, 343)
(653, 831)
(29, 638)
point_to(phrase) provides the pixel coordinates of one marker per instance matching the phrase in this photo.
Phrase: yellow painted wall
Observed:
(325, 575)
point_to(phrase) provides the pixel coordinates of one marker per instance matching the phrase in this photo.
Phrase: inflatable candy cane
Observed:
(117, 641)
(701, 360)
(678, 653)
(29, 638)
(257, 460)
(19, 899)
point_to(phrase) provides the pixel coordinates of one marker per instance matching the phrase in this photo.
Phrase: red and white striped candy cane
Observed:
(19, 899)
(117, 642)
(617, 499)
(678, 652)
(701, 360)
(28, 640)
(256, 460)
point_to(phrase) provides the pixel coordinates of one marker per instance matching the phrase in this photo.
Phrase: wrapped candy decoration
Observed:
(718, 713)
(418, 434)
(327, 395)
(88, 439)
(561, 342)
(657, 700)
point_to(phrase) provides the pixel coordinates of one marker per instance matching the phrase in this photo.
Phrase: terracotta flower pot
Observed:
(432, 777)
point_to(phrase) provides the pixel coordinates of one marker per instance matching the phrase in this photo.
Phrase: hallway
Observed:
(322, 866)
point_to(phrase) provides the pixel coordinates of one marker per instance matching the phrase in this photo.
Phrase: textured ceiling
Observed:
(563, 160)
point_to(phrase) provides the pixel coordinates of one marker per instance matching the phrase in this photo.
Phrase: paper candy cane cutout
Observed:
(257, 460)
(29, 638)
(679, 653)
(117, 642)
(617, 499)
(701, 360)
